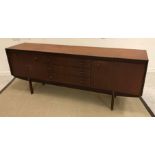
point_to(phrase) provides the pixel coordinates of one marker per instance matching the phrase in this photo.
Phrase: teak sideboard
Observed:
(119, 72)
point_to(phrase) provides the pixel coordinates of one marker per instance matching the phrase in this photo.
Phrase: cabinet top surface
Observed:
(132, 54)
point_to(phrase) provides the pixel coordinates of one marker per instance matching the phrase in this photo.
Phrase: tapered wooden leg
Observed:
(30, 86)
(112, 100)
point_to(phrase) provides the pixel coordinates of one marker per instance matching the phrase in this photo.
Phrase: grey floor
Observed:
(148, 94)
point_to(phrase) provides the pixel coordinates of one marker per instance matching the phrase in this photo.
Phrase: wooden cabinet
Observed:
(112, 71)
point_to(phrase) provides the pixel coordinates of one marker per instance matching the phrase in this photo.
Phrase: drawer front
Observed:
(70, 75)
(121, 77)
(68, 61)
(78, 81)
(69, 71)
(70, 80)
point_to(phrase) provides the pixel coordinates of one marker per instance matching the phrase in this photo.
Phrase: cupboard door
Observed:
(19, 63)
(103, 75)
(38, 67)
(121, 77)
(129, 78)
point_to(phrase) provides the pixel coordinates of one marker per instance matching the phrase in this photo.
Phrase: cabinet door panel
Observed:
(103, 75)
(38, 67)
(129, 77)
(19, 63)
(121, 77)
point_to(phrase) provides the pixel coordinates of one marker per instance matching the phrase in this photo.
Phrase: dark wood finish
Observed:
(30, 86)
(83, 51)
(112, 71)
(108, 75)
(147, 107)
(112, 100)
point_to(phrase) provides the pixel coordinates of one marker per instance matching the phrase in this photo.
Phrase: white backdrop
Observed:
(148, 44)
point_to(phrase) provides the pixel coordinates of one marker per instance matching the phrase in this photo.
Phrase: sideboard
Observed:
(114, 71)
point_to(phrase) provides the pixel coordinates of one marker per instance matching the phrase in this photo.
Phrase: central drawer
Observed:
(69, 71)
(69, 75)
(68, 61)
